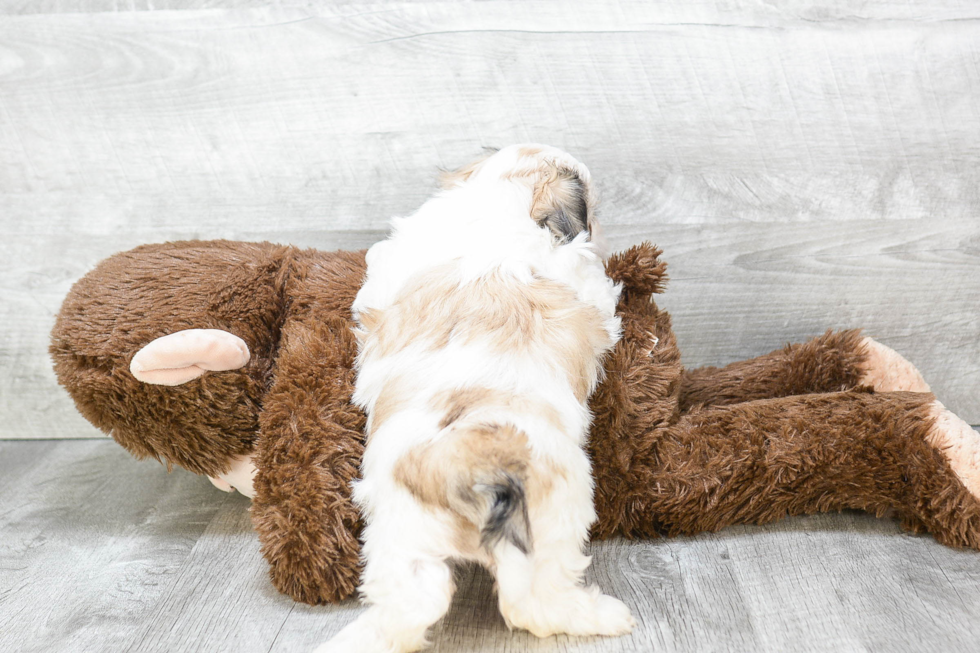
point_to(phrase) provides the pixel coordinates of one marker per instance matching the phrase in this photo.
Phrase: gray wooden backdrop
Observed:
(805, 164)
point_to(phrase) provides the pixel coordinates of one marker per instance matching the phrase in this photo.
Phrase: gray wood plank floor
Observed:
(99, 552)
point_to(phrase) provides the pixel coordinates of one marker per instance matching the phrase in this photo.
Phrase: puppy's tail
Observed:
(506, 518)
(480, 474)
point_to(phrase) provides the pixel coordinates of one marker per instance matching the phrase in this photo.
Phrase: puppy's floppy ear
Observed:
(562, 204)
(451, 178)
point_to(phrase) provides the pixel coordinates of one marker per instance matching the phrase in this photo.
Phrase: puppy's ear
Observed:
(451, 178)
(562, 204)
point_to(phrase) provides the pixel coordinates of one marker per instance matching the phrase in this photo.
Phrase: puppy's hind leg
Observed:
(407, 591)
(543, 590)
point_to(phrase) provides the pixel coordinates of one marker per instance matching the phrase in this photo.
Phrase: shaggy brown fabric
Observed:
(137, 296)
(313, 437)
(760, 461)
(673, 452)
(828, 363)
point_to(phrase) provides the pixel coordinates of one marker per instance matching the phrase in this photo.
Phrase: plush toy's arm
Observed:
(638, 395)
(832, 362)
(759, 461)
(639, 269)
(308, 454)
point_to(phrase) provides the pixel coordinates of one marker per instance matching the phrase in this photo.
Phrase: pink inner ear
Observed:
(185, 355)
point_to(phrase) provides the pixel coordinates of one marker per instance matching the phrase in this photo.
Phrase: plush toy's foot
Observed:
(960, 444)
(185, 355)
(887, 371)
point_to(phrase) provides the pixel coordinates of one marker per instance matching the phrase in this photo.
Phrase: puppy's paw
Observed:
(581, 612)
(370, 633)
(613, 617)
(342, 642)
(356, 640)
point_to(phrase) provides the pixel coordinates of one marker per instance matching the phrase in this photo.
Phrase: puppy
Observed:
(483, 321)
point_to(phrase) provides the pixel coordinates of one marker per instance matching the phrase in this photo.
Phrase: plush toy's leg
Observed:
(308, 454)
(759, 461)
(829, 363)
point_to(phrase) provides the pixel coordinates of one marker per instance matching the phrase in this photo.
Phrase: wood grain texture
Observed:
(805, 164)
(102, 553)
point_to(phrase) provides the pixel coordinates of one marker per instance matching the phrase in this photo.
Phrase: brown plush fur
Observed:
(312, 436)
(138, 296)
(830, 363)
(674, 451)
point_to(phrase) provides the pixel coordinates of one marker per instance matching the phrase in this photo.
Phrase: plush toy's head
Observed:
(138, 296)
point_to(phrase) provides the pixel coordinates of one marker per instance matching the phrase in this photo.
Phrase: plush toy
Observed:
(230, 359)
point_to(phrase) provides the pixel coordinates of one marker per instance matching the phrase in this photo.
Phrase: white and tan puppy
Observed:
(484, 320)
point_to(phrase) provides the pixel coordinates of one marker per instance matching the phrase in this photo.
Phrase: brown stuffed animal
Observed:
(838, 422)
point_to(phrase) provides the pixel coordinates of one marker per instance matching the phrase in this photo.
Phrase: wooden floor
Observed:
(99, 552)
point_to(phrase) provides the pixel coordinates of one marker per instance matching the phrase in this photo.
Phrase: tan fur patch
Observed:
(541, 481)
(394, 396)
(463, 454)
(450, 178)
(556, 190)
(442, 473)
(456, 404)
(368, 319)
(560, 200)
(510, 317)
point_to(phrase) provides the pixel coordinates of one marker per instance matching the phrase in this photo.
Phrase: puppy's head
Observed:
(562, 198)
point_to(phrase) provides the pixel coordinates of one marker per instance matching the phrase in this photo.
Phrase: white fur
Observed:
(481, 226)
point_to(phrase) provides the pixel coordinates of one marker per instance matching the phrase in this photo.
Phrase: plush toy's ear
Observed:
(185, 355)
(639, 269)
